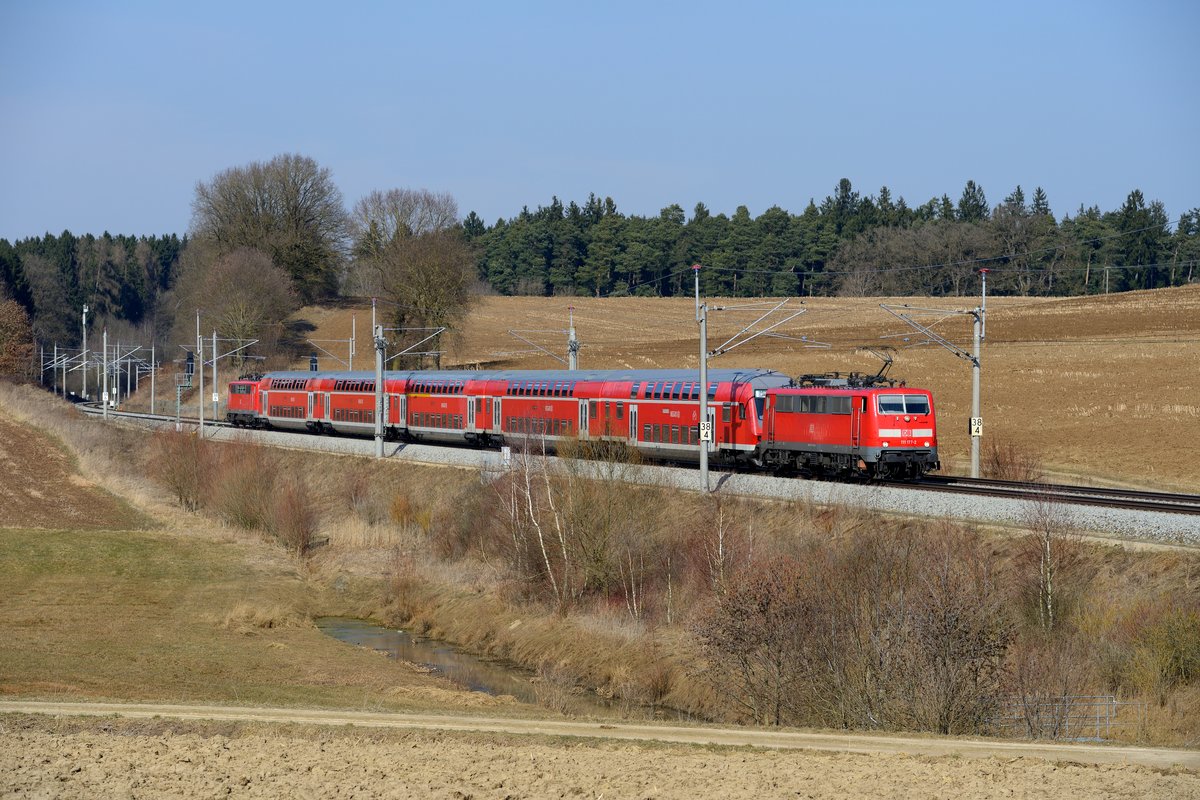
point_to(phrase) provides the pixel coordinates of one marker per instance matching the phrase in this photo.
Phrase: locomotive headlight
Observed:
(906, 418)
(927, 444)
(885, 444)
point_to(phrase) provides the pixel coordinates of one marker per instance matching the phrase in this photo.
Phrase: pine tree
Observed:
(972, 206)
(1015, 202)
(1041, 205)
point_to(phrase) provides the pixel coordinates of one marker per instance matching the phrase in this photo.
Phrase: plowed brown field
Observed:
(40, 486)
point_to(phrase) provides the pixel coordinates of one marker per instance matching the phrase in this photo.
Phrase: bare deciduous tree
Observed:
(1050, 565)
(754, 639)
(288, 207)
(1047, 675)
(242, 295)
(16, 342)
(381, 217)
(410, 250)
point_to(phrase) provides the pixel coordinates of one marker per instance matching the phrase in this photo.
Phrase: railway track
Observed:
(1123, 499)
(1130, 499)
(94, 410)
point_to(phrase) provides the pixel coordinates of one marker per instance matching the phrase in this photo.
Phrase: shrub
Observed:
(754, 638)
(1046, 674)
(186, 464)
(294, 517)
(1005, 461)
(897, 630)
(363, 498)
(244, 494)
(1167, 652)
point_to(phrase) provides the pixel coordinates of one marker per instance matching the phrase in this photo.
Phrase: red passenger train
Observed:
(757, 417)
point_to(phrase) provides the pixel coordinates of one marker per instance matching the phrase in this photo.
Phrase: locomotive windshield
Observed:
(903, 404)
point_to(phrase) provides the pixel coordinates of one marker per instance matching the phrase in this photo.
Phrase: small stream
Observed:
(470, 672)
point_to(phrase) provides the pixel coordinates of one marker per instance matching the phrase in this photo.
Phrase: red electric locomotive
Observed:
(242, 409)
(832, 427)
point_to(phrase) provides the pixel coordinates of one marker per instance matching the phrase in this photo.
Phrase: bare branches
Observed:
(881, 631)
(288, 207)
(382, 217)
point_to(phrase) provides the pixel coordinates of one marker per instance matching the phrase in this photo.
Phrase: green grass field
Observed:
(148, 616)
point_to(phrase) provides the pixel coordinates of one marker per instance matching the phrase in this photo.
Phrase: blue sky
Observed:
(112, 111)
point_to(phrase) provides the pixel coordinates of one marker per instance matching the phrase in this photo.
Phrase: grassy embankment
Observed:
(437, 549)
(134, 600)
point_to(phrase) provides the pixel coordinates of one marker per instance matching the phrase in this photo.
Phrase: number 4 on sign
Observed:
(977, 426)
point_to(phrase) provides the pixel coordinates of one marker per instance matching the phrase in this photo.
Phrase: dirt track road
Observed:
(1162, 758)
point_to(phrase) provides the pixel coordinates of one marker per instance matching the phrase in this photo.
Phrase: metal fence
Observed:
(1072, 717)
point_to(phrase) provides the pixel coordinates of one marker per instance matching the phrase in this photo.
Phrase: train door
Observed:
(327, 408)
(769, 418)
(312, 399)
(482, 413)
(403, 411)
(633, 424)
(393, 416)
(495, 404)
(858, 405)
(583, 419)
(263, 400)
(471, 412)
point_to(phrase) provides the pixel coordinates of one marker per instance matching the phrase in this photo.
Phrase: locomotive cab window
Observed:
(916, 404)
(903, 404)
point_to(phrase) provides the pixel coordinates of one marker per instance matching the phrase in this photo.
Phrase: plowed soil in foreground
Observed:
(41, 757)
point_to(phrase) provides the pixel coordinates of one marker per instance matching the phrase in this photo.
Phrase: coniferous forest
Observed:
(848, 244)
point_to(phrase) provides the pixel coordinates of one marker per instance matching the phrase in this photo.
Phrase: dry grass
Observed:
(249, 618)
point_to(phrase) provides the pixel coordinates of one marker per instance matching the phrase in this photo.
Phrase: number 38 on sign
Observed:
(977, 426)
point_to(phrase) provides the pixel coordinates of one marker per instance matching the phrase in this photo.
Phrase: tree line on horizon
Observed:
(268, 237)
(848, 244)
